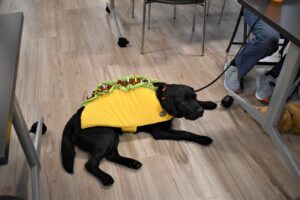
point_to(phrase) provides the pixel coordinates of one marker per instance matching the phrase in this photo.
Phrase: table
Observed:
(10, 34)
(283, 18)
(10, 113)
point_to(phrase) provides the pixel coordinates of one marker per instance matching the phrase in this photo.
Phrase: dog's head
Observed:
(179, 100)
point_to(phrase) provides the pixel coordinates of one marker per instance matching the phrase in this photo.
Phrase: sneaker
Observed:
(232, 81)
(264, 88)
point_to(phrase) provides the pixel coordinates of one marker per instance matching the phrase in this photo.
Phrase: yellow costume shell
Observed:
(124, 109)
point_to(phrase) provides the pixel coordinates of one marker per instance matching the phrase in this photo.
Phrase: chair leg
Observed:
(194, 17)
(203, 28)
(222, 11)
(235, 30)
(285, 43)
(174, 13)
(149, 14)
(132, 9)
(207, 7)
(143, 26)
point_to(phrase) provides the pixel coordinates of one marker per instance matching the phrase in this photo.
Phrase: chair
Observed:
(173, 2)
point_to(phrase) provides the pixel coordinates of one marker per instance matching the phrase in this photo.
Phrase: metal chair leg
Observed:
(149, 14)
(235, 30)
(132, 9)
(203, 28)
(222, 11)
(174, 13)
(194, 17)
(143, 26)
(207, 7)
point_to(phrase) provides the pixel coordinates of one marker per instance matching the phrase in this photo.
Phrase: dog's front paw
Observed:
(211, 105)
(204, 140)
(134, 164)
(107, 180)
(208, 105)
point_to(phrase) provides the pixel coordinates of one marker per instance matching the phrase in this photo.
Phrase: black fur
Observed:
(102, 142)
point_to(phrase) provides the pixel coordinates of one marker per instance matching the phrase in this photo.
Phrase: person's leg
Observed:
(264, 43)
(265, 83)
(275, 71)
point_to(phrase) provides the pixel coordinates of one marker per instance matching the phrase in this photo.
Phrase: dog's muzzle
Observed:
(198, 113)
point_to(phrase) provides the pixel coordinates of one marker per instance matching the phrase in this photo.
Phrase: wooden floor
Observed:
(69, 46)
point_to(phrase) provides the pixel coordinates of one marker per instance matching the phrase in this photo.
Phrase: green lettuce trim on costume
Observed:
(125, 84)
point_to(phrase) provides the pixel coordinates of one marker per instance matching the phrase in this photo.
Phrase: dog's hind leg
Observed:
(115, 157)
(92, 166)
(97, 141)
(128, 162)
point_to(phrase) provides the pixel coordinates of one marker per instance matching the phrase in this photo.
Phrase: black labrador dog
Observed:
(102, 142)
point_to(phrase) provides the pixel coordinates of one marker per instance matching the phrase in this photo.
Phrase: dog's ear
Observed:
(165, 98)
(168, 104)
(161, 87)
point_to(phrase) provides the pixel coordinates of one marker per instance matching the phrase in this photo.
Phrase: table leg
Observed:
(279, 97)
(24, 137)
(35, 182)
(278, 100)
(31, 149)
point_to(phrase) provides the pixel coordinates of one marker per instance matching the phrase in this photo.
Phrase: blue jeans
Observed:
(264, 43)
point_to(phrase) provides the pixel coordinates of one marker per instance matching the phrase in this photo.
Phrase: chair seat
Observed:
(177, 2)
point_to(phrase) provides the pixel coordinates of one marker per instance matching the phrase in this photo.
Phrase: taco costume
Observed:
(126, 103)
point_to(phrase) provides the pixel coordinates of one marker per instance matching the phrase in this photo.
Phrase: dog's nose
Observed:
(200, 111)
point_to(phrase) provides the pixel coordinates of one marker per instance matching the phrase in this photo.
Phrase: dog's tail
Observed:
(67, 146)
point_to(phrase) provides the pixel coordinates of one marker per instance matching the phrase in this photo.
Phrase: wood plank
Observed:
(71, 44)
